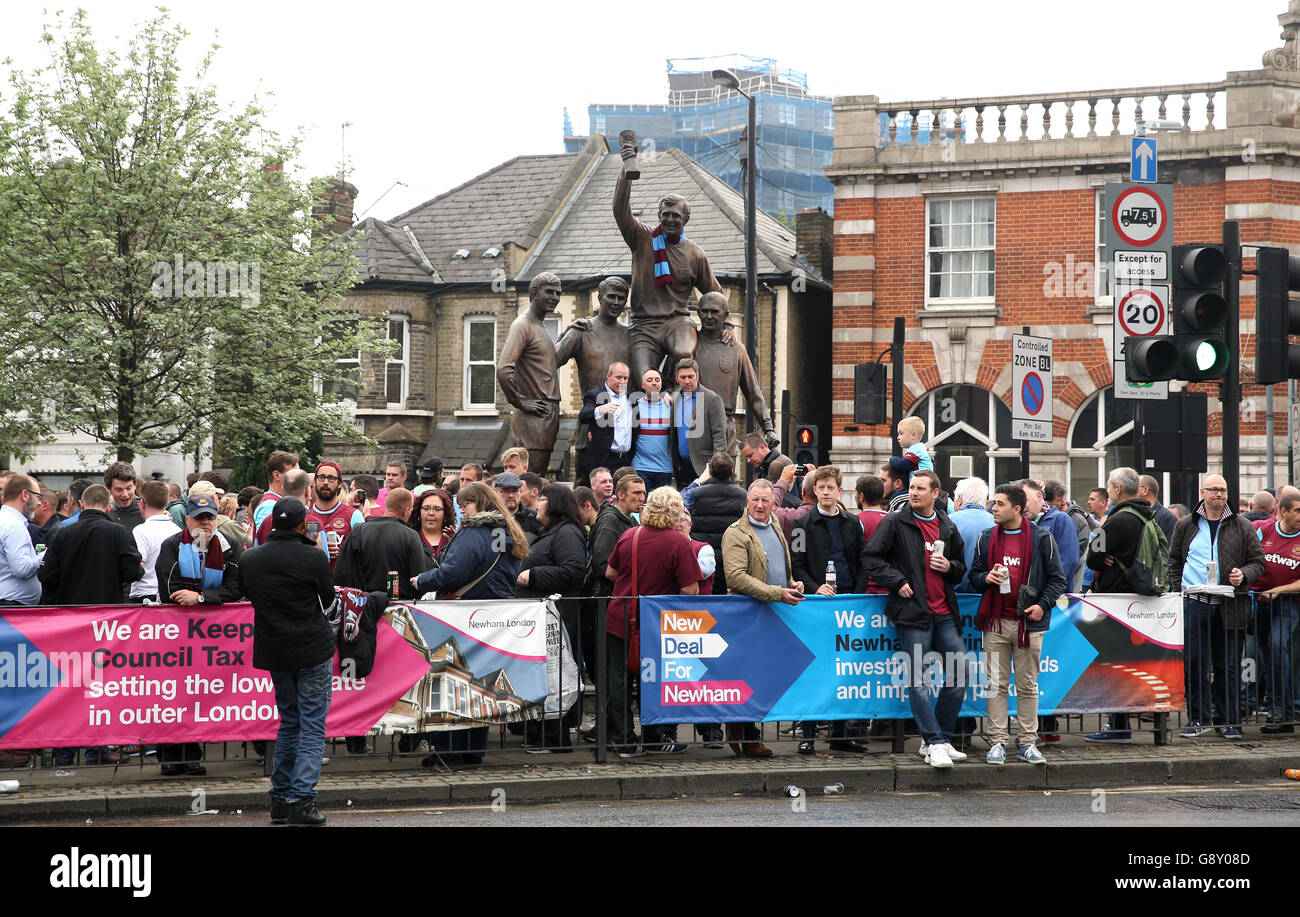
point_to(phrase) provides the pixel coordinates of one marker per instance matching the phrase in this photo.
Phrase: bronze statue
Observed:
(597, 342)
(667, 268)
(529, 377)
(725, 366)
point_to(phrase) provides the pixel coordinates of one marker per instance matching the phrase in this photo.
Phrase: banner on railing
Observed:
(124, 674)
(487, 663)
(731, 658)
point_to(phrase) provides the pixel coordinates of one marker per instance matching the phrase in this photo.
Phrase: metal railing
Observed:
(1239, 662)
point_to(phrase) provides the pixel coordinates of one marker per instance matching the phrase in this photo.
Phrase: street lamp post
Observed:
(729, 79)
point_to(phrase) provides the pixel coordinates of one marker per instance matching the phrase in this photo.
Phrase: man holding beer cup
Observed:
(917, 554)
(1018, 568)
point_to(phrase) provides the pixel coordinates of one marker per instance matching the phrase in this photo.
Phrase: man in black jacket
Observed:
(382, 544)
(922, 604)
(1214, 625)
(92, 561)
(822, 535)
(1110, 554)
(1025, 557)
(715, 501)
(612, 520)
(288, 581)
(608, 414)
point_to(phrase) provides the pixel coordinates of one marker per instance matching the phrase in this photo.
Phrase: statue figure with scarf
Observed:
(667, 270)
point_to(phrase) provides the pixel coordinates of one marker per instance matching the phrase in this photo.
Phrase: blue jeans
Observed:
(935, 723)
(655, 479)
(1210, 645)
(303, 697)
(1282, 677)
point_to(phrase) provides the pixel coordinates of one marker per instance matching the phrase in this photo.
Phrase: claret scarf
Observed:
(1001, 545)
(659, 243)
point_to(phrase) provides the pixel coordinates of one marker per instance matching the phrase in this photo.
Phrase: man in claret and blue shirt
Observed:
(278, 464)
(654, 415)
(1278, 595)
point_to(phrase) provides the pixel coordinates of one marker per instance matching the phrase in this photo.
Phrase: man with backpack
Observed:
(1129, 554)
(1214, 540)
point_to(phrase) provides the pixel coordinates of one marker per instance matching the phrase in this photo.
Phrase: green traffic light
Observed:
(1205, 356)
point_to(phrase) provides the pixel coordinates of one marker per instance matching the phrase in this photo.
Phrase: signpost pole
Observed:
(897, 355)
(1230, 391)
(1139, 458)
(1024, 445)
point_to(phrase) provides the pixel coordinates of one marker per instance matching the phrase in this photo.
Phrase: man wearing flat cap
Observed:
(196, 566)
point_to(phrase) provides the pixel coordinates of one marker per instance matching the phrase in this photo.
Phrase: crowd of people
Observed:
(672, 519)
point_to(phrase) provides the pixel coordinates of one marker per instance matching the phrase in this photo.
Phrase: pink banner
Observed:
(124, 674)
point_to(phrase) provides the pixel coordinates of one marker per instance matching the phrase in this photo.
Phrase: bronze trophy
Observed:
(628, 143)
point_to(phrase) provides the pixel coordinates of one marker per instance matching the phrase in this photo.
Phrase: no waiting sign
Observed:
(1031, 388)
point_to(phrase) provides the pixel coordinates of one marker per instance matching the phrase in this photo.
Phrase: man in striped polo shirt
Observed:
(653, 461)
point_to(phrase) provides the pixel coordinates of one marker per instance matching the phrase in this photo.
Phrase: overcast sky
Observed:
(438, 92)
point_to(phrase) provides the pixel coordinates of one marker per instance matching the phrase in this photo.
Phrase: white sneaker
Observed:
(924, 752)
(938, 756)
(954, 754)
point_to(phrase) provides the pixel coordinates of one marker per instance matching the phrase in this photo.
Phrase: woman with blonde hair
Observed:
(653, 558)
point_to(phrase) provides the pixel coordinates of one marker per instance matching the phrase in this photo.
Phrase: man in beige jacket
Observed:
(755, 553)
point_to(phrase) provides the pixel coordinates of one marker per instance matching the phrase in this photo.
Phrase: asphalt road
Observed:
(1275, 803)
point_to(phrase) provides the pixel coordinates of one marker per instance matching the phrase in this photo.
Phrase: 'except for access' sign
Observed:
(1031, 388)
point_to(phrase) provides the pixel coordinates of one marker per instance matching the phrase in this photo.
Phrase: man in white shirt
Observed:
(149, 536)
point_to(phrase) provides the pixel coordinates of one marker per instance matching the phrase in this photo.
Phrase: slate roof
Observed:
(561, 204)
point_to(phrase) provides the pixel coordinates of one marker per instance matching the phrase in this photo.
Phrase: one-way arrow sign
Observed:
(1142, 166)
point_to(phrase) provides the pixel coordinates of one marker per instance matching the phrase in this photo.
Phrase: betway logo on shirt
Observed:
(1291, 562)
(1010, 561)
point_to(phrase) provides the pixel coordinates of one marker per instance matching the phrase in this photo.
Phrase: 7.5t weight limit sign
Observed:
(1031, 388)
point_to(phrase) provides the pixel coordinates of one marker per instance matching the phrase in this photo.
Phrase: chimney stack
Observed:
(814, 233)
(334, 207)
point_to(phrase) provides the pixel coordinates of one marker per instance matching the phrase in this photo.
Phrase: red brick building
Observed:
(974, 217)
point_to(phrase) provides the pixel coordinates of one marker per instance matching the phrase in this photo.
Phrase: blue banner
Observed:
(732, 658)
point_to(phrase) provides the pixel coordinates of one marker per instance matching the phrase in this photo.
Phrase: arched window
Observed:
(969, 430)
(1101, 438)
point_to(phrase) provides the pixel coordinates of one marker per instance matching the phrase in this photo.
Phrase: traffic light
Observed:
(1196, 351)
(1277, 272)
(806, 447)
(1200, 312)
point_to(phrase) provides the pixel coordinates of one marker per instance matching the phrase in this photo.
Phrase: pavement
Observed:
(384, 779)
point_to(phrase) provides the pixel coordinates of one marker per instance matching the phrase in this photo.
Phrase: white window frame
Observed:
(348, 406)
(466, 388)
(1103, 439)
(404, 361)
(787, 113)
(1101, 266)
(960, 302)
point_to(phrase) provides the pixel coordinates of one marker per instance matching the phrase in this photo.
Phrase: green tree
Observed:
(155, 265)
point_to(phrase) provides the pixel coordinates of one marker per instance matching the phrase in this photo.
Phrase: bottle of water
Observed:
(830, 574)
